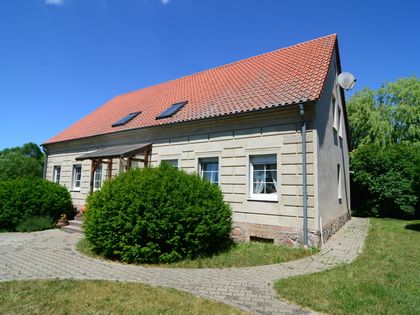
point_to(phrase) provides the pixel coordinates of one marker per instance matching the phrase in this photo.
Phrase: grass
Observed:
(240, 255)
(100, 297)
(384, 279)
(35, 223)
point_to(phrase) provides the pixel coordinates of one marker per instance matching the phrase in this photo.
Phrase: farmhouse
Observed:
(240, 126)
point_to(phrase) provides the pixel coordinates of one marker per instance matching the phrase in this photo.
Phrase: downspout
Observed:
(45, 163)
(304, 175)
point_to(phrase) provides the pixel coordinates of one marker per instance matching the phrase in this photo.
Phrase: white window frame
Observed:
(56, 174)
(73, 178)
(262, 159)
(172, 162)
(101, 180)
(335, 106)
(339, 182)
(209, 160)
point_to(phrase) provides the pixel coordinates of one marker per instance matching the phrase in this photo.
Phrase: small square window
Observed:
(263, 177)
(173, 162)
(57, 174)
(77, 177)
(209, 169)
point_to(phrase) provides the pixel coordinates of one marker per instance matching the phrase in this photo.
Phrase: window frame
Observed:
(56, 171)
(339, 183)
(201, 161)
(73, 178)
(101, 179)
(265, 159)
(170, 162)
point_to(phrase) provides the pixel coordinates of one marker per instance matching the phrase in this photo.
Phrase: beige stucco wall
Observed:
(331, 149)
(233, 140)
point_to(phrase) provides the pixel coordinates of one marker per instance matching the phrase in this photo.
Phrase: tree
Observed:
(385, 162)
(385, 181)
(24, 161)
(386, 116)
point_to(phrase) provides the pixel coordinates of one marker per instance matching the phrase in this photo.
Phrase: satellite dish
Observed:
(346, 80)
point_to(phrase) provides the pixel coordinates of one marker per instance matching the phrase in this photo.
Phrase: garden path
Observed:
(51, 255)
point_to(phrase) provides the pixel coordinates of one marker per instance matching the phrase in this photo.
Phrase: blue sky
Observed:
(61, 59)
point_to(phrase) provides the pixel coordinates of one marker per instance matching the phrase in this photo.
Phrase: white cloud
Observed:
(57, 2)
(164, 2)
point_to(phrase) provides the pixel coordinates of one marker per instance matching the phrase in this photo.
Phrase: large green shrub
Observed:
(157, 215)
(385, 181)
(28, 197)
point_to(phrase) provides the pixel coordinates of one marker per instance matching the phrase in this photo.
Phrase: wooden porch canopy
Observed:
(126, 153)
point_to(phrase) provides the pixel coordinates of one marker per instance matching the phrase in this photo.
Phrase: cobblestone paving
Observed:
(52, 254)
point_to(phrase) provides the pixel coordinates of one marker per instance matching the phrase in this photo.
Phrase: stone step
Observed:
(72, 229)
(75, 223)
(78, 218)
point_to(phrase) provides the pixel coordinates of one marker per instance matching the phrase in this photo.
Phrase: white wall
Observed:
(331, 150)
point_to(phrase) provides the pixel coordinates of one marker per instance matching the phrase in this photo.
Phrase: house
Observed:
(240, 126)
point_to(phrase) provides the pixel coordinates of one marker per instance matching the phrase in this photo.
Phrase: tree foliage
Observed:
(24, 161)
(385, 182)
(385, 132)
(387, 116)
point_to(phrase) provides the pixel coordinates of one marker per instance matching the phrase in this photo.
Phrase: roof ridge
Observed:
(227, 64)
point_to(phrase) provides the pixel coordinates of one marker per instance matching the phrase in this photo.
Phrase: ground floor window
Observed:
(77, 177)
(173, 162)
(263, 177)
(57, 174)
(98, 178)
(209, 169)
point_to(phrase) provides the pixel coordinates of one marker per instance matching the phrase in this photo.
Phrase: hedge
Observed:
(385, 182)
(23, 198)
(153, 215)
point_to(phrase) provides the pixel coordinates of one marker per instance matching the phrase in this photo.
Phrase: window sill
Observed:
(262, 199)
(75, 190)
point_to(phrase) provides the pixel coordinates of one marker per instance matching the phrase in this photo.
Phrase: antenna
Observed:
(346, 80)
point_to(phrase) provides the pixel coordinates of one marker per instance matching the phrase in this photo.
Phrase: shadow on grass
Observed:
(413, 226)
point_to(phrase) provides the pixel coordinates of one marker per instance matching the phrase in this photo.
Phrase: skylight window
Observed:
(172, 110)
(125, 120)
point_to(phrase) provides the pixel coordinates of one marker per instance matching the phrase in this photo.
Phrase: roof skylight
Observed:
(125, 120)
(172, 110)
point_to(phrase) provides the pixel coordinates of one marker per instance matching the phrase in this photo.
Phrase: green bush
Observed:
(36, 223)
(385, 181)
(157, 215)
(27, 197)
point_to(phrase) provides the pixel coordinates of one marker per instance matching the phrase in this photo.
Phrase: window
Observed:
(339, 121)
(57, 174)
(334, 105)
(209, 169)
(173, 162)
(77, 177)
(98, 178)
(172, 110)
(263, 177)
(126, 119)
(339, 182)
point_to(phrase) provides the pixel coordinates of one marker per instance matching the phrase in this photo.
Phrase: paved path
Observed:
(52, 254)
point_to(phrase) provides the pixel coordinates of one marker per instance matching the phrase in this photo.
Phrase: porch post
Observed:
(109, 168)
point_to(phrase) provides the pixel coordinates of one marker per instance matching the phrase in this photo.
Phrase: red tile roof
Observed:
(285, 76)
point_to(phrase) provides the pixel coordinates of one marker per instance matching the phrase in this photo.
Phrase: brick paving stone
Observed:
(51, 254)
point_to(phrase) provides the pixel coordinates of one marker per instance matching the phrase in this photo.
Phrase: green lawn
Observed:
(100, 297)
(240, 255)
(385, 279)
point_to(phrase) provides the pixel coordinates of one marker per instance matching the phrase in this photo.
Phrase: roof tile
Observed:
(285, 76)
